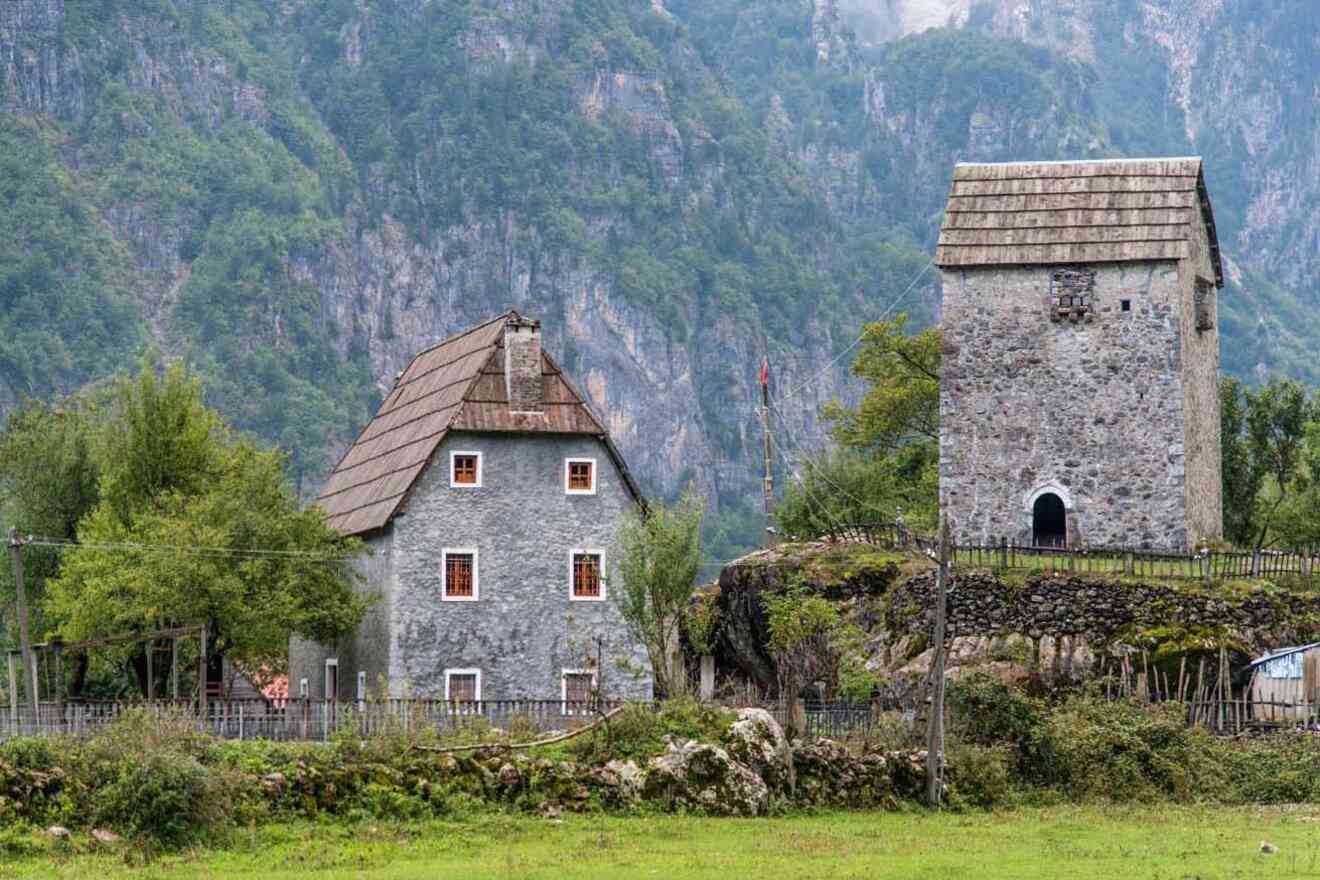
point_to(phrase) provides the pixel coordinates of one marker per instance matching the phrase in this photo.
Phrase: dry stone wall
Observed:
(982, 605)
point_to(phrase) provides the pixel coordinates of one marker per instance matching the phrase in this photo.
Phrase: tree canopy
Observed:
(173, 519)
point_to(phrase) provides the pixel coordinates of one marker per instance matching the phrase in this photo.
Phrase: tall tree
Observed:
(659, 558)
(1264, 444)
(198, 525)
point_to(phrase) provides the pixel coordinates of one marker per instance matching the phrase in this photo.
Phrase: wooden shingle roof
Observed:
(1116, 210)
(456, 385)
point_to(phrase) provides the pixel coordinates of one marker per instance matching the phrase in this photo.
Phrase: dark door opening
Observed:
(1049, 523)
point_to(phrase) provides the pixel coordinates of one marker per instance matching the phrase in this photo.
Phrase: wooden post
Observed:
(769, 488)
(935, 738)
(707, 677)
(201, 674)
(24, 637)
(13, 691)
(1003, 552)
(174, 669)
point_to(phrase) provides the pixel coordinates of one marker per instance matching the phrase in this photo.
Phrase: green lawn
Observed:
(1064, 842)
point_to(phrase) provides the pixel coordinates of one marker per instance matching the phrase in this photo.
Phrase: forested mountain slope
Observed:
(299, 194)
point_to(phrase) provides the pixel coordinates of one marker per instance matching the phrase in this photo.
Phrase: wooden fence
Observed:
(298, 719)
(1004, 555)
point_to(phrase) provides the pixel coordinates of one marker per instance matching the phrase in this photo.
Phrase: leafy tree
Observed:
(1241, 479)
(198, 525)
(888, 457)
(1264, 441)
(48, 482)
(851, 486)
(659, 559)
(902, 402)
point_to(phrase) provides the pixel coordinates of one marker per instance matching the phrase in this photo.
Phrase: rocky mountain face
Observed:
(298, 195)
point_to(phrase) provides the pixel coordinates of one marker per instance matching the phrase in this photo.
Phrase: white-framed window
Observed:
(580, 476)
(459, 575)
(575, 689)
(332, 679)
(463, 685)
(361, 686)
(302, 688)
(586, 575)
(465, 470)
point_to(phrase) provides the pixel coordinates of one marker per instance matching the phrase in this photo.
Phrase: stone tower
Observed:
(1079, 396)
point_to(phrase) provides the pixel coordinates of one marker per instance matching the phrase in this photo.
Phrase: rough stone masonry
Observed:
(1080, 355)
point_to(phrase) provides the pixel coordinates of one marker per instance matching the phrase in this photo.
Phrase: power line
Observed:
(800, 388)
(186, 550)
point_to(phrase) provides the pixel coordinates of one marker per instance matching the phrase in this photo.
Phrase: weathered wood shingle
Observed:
(457, 385)
(1116, 210)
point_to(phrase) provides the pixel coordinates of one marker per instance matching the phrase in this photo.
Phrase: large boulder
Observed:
(699, 776)
(757, 742)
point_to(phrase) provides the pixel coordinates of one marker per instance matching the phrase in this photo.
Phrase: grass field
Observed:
(1076, 843)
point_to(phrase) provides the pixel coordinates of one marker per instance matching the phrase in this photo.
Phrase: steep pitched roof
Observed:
(1116, 210)
(457, 384)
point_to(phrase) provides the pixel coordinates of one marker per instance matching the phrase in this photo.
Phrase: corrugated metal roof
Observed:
(1282, 652)
(1116, 210)
(456, 385)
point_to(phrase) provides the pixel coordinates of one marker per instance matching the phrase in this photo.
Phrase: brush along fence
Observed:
(301, 719)
(1206, 565)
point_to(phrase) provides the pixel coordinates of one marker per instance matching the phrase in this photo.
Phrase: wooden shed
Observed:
(1284, 684)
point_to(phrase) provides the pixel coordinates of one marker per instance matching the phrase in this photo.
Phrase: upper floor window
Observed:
(588, 580)
(580, 476)
(1070, 294)
(1205, 305)
(460, 575)
(464, 469)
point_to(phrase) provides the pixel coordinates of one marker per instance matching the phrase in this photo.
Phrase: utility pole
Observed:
(769, 475)
(935, 736)
(24, 638)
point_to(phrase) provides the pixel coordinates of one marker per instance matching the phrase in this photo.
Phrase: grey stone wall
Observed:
(523, 630)
(1200, 365)
(367, 648)
(1093, 411)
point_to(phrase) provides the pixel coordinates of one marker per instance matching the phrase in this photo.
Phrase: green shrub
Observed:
(1124, 750)
(980, 776)
(162, 797)
(986, 711)
(638, 731)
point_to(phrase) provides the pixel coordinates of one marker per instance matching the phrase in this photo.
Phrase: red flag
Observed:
(765, 371)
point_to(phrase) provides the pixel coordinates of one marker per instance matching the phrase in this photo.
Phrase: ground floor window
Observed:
(577, 688)
(588, 580)
(462, 685)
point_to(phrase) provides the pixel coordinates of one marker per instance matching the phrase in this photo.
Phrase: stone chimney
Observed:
(522, 364)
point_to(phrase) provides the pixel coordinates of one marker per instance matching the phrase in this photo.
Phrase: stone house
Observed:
(1079, 391)
(490, 496)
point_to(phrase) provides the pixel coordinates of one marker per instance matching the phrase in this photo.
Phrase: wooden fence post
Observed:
(13, 691)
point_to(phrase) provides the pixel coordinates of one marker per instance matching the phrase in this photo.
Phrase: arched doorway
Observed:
(1049, 521)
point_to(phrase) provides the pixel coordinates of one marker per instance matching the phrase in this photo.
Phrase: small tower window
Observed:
(580, 476)
(465, 469)
(1071, 293)
(1205, 306)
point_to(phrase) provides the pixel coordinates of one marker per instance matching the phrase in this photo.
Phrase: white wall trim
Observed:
(444, 574)
(604, 586)
(481, 466)
(466, 671)
(328, 693)
(595, 476)
(1052, 487)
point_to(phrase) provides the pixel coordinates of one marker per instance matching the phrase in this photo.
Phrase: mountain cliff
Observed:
(298, 195)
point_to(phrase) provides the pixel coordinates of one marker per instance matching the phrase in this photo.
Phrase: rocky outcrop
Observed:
(757, 741)
(703, 777)
(849, 573)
